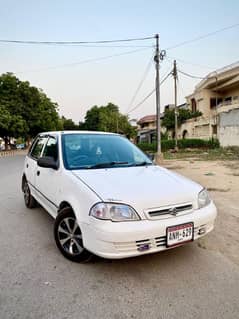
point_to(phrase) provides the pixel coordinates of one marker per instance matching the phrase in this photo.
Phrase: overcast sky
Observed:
(78, 87)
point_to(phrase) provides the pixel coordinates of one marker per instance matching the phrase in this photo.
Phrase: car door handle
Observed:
(38, 173)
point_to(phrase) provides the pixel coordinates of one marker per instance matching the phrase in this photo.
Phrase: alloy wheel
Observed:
(26, 192)
(69, 236)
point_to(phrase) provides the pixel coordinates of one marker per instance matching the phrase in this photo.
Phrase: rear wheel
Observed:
(29, 200)
(68, 237)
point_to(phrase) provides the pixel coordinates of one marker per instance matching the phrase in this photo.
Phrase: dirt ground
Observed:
(221, 178)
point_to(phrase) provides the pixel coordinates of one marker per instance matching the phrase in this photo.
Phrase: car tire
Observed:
(68, 237)
(29, 200)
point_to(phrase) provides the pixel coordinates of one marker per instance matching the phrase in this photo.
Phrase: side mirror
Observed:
(150, 156)
(47, 162)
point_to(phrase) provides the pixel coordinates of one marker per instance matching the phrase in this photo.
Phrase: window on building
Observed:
(194, 105)
(228, 100)
(235, 98)
(215, 101)
(214, 129)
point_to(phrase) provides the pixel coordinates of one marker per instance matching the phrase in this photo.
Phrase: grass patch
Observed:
(228, 153)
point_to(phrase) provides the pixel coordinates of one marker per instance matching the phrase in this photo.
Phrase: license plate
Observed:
(179, 234)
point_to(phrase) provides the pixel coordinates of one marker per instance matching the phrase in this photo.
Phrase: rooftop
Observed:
(147, 119)
(221, 79)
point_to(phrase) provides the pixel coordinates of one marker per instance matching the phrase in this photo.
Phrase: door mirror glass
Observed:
(150, 156)
(47, 162)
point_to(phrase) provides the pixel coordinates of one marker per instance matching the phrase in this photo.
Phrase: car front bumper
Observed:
(115, 240)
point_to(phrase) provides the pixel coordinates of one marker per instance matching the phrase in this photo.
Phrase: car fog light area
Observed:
(114, 212)
(203, 199)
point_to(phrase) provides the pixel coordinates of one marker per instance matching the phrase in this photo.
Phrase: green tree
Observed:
(183, 115)
(68, 124)
(11, 125)
(91, 119)
(5, 118)
(109, 119)
(28, 107)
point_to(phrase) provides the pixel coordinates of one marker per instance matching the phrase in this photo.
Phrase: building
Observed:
(147, 129)
(217, 98)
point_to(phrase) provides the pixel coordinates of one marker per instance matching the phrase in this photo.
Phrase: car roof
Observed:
(76, 132)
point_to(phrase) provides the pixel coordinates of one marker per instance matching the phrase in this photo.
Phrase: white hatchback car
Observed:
(109, 199)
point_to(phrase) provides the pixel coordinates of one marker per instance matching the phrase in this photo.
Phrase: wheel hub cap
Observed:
(70, 237)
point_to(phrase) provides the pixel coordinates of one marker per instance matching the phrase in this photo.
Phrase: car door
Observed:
(31, 161)
(47, 179)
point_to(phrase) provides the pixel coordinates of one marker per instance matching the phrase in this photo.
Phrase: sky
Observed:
(77, 86)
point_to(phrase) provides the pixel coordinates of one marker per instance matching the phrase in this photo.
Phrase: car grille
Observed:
(167, 212)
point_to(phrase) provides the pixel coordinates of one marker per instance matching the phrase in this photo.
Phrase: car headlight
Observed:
(114, 212)
(203, 198)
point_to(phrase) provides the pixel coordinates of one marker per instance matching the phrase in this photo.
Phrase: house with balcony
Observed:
(147, 129)
(147, 125)
(217, 98)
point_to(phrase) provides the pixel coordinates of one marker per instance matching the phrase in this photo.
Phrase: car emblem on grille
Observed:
(173, 211)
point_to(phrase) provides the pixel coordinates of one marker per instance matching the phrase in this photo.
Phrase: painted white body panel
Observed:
(143, 188)
(119, 240)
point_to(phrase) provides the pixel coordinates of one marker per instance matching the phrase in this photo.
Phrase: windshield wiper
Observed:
(107, 164)
(144, 163)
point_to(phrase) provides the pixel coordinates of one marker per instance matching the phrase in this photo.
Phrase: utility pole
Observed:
(158, 155)
(175, 76)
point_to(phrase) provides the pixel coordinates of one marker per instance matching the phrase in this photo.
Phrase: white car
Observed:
(109, 199)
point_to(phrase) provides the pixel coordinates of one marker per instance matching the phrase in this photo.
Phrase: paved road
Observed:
(37, 282)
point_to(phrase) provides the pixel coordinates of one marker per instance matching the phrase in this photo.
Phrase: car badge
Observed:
(173, 211)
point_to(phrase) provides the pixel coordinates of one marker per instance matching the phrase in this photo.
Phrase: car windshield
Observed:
(94, 151)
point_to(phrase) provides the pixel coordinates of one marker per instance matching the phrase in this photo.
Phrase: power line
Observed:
(73, 42)
(181, 88)
(190, 63)
(84, 61)
(192, 76)
(202, 36)
(149, 64)
(93, 46)
(148, 95)
(106, 46)
(166, 74)
(144, 99)
(165, 78)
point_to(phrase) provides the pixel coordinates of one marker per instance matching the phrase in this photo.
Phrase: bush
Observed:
(167, 145)
(198, 143)
(152, 147)
(148, 147)
(182, 144)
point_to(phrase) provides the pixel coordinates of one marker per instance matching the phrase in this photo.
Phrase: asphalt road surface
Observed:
(36, 281)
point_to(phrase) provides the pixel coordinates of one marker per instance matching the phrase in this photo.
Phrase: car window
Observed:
(89, 150)
(37, 147)
(51, 148)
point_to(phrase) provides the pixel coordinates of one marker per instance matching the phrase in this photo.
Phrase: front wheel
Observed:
(68, 237)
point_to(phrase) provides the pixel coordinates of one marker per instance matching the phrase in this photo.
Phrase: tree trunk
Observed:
(6, 141)
(28, 141)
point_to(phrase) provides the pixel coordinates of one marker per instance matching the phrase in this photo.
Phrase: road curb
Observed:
(12, 153)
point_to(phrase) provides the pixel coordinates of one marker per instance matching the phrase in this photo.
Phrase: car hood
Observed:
(140, 187)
